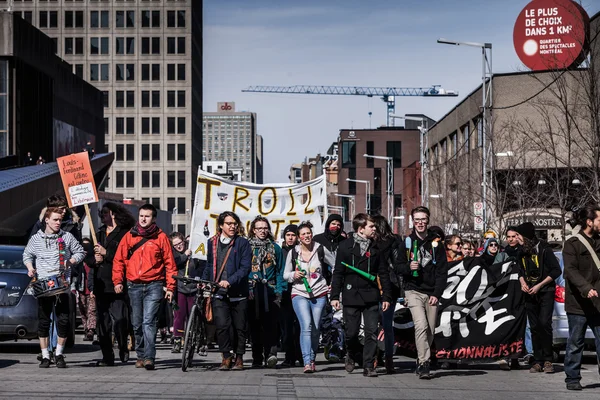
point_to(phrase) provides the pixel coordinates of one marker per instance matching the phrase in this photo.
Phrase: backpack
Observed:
(321, 256)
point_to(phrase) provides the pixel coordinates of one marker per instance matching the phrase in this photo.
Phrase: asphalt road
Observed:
(22, 379)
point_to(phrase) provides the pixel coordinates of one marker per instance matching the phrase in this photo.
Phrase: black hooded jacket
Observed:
(327, 239)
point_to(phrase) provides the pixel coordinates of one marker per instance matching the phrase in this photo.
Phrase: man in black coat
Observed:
(333, 234)
(360, 295)
(582, 278)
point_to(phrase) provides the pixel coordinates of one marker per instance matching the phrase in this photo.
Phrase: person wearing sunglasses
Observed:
(490, 250)
(453, 248)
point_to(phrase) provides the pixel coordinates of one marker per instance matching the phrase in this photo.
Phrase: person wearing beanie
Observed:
(538, 268)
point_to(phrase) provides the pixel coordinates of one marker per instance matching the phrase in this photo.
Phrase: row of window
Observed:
(126, 179)
(149, 125)
(393, 150)
(123, 45)
(101, 19)
(458, 142)
(150, 152)
(149, 98)
(126, 72)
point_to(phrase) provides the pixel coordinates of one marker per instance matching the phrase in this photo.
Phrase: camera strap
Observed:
(589, 248)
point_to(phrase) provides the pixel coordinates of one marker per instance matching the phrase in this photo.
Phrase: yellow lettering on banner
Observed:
(237, 201)
(307, 210)
(201, 249)
(277, 222)
(294, 221)
(209, 184)
(260, 202)
(248, 227)
(215, 216)
(291, 212)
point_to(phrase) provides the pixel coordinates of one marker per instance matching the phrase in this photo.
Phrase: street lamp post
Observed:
(340, 209)
(390, 183)
(487, 91)
(173, 213)
(367, 194)
(352, 203)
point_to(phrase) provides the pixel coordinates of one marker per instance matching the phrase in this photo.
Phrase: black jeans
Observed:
(113, 314)
(352, 317)
(290, 329)
(539, 312)
(231, 320)
(263, 326)
(61, 307)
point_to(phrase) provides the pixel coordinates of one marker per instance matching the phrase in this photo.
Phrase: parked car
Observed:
(18, 307)
(560, 324)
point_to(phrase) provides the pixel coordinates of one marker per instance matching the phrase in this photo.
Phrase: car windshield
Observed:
(11, 258)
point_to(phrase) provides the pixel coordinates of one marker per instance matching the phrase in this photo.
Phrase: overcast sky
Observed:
(346, 43)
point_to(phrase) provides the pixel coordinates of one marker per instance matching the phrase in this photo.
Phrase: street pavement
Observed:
(21, 378)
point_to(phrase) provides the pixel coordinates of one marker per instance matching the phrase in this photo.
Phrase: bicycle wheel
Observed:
(191, 332)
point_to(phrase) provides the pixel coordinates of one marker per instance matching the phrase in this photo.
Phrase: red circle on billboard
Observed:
(552, 34)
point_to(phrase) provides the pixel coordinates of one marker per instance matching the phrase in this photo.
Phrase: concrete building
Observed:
(542, 161)
(222, 169)
(399, 143)
(146, 58)
(231, 136)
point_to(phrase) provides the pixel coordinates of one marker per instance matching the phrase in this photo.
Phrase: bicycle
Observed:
(195, 329)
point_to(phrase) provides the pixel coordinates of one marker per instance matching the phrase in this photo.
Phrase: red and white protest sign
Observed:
(552, 34)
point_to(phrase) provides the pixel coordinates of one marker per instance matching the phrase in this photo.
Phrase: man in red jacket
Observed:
(145, 261)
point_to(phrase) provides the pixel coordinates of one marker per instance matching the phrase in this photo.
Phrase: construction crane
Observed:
(388, 94)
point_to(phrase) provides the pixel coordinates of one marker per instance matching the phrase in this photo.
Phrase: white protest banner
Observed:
(281, 204)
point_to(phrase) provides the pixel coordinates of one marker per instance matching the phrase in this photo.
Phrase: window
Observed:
(145, 125)
(156, 180)
(120, 179)
(48, 19)
(125, 45)
(150, 19)
(99, 19)
(98, 72)
(181, 228)
(124, 98)
(125, 19)
(145, 179)
(74, 45)
(176, 19)
(370, 151)
(130, 125)
(181, 151)
(394, 150)
(120, 152)
(130, 179)
(155, 121)
(171, 179)
(156, 152)
(454, 144)
(170, 204)
(69, 46)
(79, 45)
(106, 127)
(120, 126)
(151, 72)
(181, 205)
(155, 201)
(105, 97)
(98, 45)
(466, 139)
(176, 125)
(181, 179)
(156, 125)
(171, 152)
(79, 70)
(480, 132)
(176, 98)
(176, 72)
(150, 45)
(376, 182)
(125, 72)
(129, 152)
(348, 154)
(176, 45)
(73, 19)
(145, 152)
(352, 185)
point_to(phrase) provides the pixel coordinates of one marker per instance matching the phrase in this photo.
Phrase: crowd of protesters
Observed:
(285, 297)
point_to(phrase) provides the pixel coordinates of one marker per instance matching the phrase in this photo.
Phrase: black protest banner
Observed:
(481, 314)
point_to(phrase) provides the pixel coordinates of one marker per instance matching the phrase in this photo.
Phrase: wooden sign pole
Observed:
(89, 217)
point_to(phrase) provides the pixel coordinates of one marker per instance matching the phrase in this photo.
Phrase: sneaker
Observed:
(225, 364)
(149, 365)
(139, 363)
(419, 368)
(176, 346)
(425, 372)
(39, 357)
(370, 372)
(271, 361)
(124, 355)
(45, 363)
(503, 364)
(574, 386)
(239, 363)
(60, 361)
(349, 364)
(308, 369)
(105, 363)
(548, 367)
(528, 359)
(535, 368)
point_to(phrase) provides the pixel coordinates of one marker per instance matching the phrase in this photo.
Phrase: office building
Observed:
(231, 136)
(146, 58)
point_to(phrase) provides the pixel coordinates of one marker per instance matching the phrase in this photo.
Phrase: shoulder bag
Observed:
(208, 313)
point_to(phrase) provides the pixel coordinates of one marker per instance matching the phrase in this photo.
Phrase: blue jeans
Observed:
(528, 344)
(145, 300)
(309, 313)
(387, 320)
(577, 326)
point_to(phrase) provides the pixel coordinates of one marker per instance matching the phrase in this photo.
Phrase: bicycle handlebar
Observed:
(197, 280)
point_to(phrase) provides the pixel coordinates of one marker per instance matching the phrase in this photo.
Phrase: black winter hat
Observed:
(291, 228)
(527, 229)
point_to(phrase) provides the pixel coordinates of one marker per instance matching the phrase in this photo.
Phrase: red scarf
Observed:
(150, 231)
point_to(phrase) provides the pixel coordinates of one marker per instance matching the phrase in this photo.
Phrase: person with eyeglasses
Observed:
(453, 245)
(424, 268)
(186, 293)
(228, 262)
(266, 288)
(490, 250)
